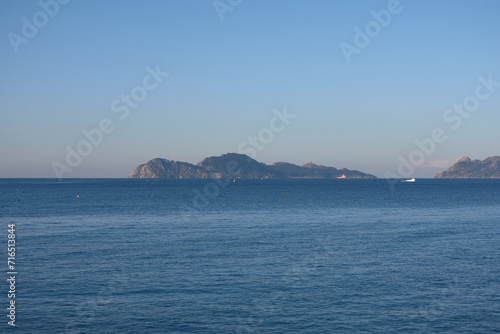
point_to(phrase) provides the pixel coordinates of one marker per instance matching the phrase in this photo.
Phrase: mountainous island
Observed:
(468, 168)
(238, 166)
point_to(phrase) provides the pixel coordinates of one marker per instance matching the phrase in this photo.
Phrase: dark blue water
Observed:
(190, 256)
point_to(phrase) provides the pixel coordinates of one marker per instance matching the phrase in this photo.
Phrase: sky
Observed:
(392, 88)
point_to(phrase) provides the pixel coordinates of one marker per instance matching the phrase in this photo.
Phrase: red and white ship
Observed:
(342, 177)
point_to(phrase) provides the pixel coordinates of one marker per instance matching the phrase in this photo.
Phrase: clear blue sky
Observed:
(227, 76)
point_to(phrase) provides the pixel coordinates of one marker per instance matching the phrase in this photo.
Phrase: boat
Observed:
(410, 180)
(342, 177)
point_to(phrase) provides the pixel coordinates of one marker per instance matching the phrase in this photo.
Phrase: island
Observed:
(242, 166)
(468, 168)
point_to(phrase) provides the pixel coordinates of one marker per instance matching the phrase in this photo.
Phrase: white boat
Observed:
(410, 180)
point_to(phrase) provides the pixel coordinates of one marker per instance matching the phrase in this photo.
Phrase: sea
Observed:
(251, 256)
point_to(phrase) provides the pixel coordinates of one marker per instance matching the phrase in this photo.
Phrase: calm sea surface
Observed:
(255, 256)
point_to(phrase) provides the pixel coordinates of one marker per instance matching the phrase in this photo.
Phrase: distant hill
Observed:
(246, 167)
(314, 171)
(163, 168)
(467, 168)
(250, 168)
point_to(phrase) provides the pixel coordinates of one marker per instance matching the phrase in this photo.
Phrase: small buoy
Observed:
(283, 195)
(77, 196)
